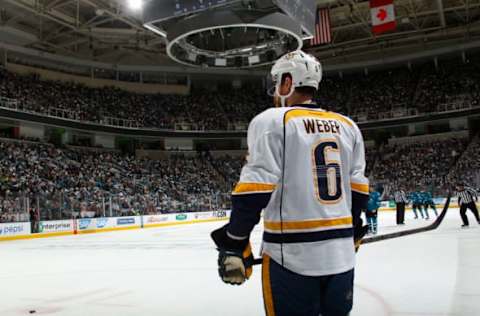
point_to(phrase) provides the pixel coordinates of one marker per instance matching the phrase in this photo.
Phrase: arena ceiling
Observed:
(108, 31)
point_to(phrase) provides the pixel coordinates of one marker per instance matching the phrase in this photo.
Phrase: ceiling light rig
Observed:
(230, 33)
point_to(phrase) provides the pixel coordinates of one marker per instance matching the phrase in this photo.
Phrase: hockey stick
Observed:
(402, 233)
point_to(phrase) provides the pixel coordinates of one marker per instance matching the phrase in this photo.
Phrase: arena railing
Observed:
(14, 206)
(64, 204)
(8, 103)
(62, 113)
(454, 106)
(119, 122)
(362, 117)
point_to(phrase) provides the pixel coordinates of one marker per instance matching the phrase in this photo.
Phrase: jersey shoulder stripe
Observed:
(319, 114)
(249, 188)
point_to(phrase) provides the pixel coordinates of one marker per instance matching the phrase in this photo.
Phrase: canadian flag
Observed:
(383, 16)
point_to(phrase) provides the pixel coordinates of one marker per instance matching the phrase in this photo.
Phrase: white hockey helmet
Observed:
(305, 69)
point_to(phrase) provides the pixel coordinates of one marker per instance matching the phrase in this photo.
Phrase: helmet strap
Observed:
(283, 98)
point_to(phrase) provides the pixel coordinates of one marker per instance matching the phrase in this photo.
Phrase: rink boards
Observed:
(14, 231)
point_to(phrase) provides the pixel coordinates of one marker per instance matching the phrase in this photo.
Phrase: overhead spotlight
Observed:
(135, 4)
(254, 59)
(220, 62)
(192, 56)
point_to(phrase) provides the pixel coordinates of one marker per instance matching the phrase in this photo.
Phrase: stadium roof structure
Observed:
(109, 31)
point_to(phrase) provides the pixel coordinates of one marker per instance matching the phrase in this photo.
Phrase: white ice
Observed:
(172, 271)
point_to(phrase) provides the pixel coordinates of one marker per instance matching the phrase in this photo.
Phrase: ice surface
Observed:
(172, 271)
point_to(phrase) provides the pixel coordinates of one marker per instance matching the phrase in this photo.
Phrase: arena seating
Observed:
(83, 182)
(467, 169)
(63, 182)
(378, 95)
(66, 182)
(419, 166)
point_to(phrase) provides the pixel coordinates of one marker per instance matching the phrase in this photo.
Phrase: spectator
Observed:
(379, 95)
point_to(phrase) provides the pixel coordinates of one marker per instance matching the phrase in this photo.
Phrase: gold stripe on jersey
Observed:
(247, 188)
(308, 224)
(309, 113)
(267, 287)
(360, 188)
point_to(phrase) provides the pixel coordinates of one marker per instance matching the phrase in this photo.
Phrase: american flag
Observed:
(322, 28)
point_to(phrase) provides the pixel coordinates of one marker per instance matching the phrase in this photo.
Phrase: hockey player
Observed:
(374, 202)
(306, 169)
(371, 214)
(428, 202)
(423, 203)
(416, 199)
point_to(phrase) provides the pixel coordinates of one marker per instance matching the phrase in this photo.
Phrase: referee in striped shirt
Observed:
(400, 200)
(466, 199)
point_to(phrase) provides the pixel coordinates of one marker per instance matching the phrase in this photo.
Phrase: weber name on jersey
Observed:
(306, 168)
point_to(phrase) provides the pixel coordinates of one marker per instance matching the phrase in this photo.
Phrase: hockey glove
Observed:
(359, 233)
(235, 258)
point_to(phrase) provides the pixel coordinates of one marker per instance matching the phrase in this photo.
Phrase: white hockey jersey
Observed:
(310, 161)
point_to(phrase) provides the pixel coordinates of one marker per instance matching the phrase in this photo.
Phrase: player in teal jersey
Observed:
(427, 199)
(416, 199)
(374, 201)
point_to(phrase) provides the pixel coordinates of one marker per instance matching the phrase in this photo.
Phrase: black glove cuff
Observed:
(224, 242)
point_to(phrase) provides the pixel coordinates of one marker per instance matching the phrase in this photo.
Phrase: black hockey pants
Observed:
(286, 293)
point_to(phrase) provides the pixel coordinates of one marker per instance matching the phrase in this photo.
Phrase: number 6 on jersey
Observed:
(327, 176)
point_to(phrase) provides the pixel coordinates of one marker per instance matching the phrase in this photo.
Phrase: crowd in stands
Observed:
(80, 182)
(373, 96)
(371, 155)
(201, 110)
(467, 169)
(67, 182)
(456, 83)
(419, 165)
(377, 95)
